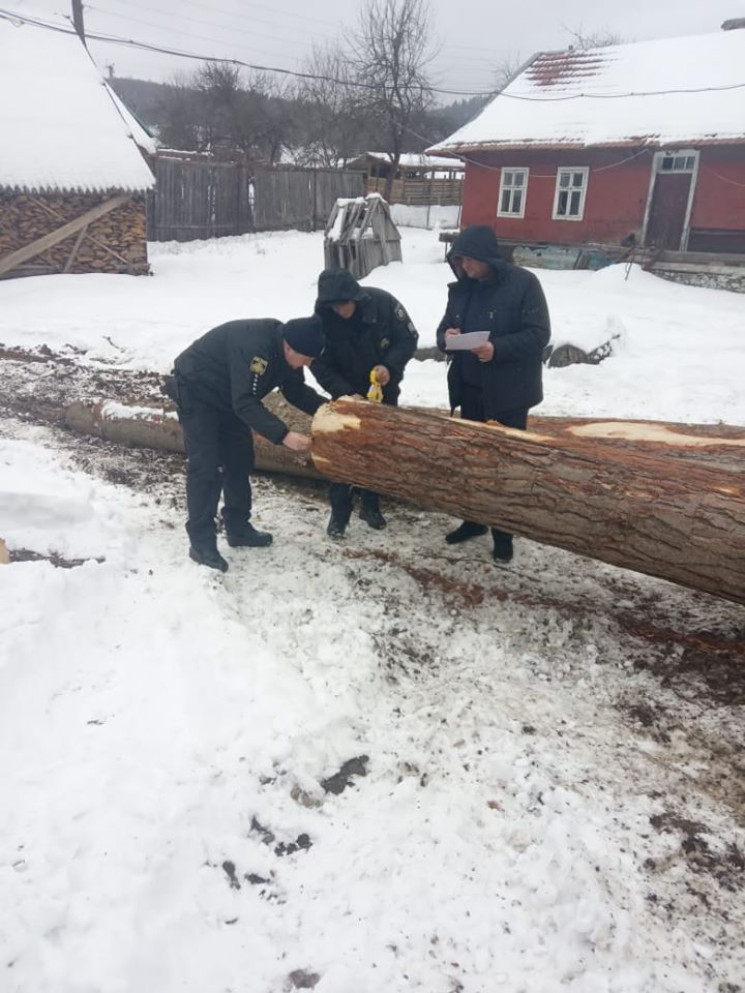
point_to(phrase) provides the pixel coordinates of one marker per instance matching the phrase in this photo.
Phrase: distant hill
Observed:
(159, 105)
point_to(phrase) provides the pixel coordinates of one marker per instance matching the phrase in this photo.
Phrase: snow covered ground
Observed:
(377, 767)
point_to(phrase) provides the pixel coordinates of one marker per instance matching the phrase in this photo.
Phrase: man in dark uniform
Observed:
(218, 385)
(366, 331)
(502, 379)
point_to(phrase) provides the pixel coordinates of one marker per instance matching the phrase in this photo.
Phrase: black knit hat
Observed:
(304, 335)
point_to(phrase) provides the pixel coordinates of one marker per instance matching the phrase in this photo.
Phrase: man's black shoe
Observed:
(502, 550)
(336, 527)
(373, 518)
(209, 557)
(466, 531)
(248, 537)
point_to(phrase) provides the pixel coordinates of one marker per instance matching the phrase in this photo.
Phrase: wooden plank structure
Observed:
(420, 191)
(678, 519)
(360, 236)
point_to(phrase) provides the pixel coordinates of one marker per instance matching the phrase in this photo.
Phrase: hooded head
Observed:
(337, 286)
(304, 337)
(476, 242)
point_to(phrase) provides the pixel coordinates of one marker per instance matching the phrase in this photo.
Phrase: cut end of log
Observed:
(328, 421)
(4, 554)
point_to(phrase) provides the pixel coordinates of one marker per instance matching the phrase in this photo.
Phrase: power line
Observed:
(13, 16)
(188, 34)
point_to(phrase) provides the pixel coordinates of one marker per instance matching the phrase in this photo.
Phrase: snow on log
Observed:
(158, 427)
(631, 505)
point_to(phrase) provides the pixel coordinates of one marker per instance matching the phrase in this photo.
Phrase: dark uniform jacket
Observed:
(379, 332)
(235, 365)
(512, 308)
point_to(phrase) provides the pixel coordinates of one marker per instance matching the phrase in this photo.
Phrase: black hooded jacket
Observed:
(379, 332)
(235, 365)
(512, 308)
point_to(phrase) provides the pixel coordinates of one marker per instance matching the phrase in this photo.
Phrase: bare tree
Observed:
(507, 69)
(391, 52)
(218, 113)
(584, 40)
(327, 133)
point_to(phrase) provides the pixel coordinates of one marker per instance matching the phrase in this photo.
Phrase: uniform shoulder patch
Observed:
(400, 312)
(258, 365)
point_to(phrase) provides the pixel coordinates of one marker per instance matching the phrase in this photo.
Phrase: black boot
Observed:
(246, 536)
(502, 548)
(465, 532)
(370, 510)
(336, 527)
(372, 517)
(208, 555)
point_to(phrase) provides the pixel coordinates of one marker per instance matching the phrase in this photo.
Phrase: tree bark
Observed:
(158, 428)
(631, 505)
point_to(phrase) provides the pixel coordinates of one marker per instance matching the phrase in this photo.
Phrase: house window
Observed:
(571, 189)
(513, 190)
(677, 162)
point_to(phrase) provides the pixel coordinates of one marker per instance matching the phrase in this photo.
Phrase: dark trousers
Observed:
(220, 452)
(341, 496)
(472, 409)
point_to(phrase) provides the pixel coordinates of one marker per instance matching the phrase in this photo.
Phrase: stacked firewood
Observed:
(115, 242)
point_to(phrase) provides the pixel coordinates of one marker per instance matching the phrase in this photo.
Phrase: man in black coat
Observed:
(366, 331)
(500, 380)
(218, 385)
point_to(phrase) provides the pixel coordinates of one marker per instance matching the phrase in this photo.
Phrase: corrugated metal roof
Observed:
(673, 91)
(60, 129)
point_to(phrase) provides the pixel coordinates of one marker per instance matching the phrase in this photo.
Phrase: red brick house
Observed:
(636, 144)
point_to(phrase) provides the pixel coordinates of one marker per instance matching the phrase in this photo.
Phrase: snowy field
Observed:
(377, 767)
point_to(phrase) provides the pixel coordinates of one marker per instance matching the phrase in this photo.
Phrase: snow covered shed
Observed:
(418, 179)
(636, 144)
(73, 177)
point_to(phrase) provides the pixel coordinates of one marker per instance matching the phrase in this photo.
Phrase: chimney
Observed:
(733, 24)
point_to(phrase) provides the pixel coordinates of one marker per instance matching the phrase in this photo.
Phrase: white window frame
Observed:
(511, 187)
(582, 190)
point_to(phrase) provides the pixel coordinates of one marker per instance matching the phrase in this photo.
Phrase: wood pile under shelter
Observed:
(73, 177)
(360, 236)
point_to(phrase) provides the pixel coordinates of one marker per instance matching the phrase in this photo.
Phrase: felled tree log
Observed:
(157, 427)
(678, 520)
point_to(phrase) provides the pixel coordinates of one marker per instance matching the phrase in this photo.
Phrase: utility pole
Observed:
(77, 19)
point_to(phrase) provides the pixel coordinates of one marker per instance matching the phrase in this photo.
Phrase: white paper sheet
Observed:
(465, 342)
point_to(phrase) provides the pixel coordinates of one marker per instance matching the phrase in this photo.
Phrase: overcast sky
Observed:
(472, 37)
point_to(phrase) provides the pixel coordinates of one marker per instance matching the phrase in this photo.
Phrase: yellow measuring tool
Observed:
(375, 393)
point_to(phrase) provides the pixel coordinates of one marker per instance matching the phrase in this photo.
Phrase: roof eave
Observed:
(637, 142)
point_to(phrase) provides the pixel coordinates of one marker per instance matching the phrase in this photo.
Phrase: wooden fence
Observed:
(200, 197)
(421, 192)
(301, 198)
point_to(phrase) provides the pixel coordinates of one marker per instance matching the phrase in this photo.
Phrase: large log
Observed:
(151, 427)
(680, 520)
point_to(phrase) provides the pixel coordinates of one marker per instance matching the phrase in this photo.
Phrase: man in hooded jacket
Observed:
(502, 379)
(366, 331)
(218, 384)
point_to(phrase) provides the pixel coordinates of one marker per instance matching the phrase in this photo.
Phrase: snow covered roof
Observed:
(61, 127)
(412, 160)
(668, 92)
